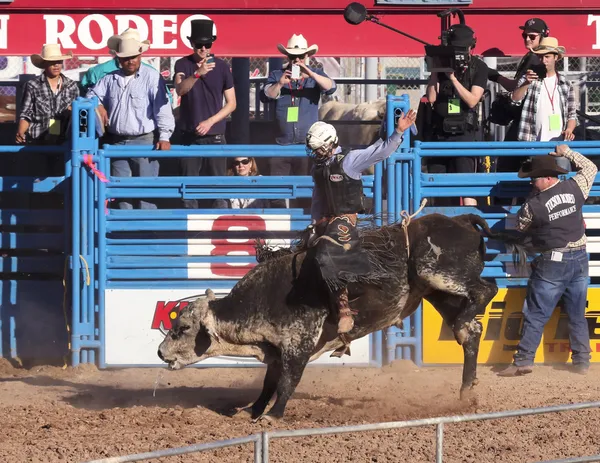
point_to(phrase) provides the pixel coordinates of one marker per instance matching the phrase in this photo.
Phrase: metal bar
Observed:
(432, 421)
(75, 264)
(575, 459)
(102, 213)
(258, 450)
(439, 443)
(265, 446)
(181, 450)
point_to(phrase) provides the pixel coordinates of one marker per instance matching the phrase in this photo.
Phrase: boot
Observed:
(346, 319)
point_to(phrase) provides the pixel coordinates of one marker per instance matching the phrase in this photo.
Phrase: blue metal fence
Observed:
(113, 249)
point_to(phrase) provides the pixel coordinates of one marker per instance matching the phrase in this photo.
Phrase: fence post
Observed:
(265, 447)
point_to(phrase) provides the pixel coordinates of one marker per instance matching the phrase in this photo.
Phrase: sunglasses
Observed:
(293, 57)
(530, 36)
(239, 163)
(199, 46)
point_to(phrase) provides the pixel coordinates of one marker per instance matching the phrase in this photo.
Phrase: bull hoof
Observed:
(243, 412)
(468, 396)
(267, 418)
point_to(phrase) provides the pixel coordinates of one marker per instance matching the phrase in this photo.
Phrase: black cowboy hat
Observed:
(542, 166)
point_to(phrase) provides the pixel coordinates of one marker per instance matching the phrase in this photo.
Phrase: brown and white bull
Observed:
(279, 312)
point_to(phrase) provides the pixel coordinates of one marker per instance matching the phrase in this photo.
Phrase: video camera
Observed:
(438, 58)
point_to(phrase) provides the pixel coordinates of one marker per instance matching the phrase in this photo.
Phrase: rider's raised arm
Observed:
(357, 161)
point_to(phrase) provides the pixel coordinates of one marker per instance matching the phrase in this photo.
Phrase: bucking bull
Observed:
(279, 312)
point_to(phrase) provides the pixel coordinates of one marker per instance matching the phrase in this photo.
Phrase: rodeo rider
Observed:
(336, 201)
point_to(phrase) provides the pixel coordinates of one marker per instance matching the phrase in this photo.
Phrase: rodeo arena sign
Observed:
(355, 265)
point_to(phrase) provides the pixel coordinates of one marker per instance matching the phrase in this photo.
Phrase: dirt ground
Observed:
(79, 414)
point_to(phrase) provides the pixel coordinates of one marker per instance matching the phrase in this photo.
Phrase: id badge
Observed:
(292, 114)
(54, 127)
(554, 122)
(453, 106)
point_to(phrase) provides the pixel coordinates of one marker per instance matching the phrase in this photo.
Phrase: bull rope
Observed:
(406, 218)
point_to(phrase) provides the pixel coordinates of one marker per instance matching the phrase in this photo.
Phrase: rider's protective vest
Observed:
(342, 194)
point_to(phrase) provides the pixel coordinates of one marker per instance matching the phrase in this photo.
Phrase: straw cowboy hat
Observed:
(550, 45)
(50, 52)
(542, 166)
(127, 43)
(297, 45)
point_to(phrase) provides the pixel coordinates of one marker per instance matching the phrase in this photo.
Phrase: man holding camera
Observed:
(455, 96)
(549, 111)
(201, 80)
(296, 90)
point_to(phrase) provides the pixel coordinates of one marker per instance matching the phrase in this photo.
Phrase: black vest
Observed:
(557, 216)
(465, 119)
(342, 194)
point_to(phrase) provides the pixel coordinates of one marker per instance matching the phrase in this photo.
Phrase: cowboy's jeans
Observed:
(136, 167)
(548, 282)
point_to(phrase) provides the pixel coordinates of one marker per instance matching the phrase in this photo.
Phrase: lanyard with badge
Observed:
(293, 110)
(553, 119)
(54, 125)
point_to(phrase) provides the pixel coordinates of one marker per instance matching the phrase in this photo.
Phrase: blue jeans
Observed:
(134, 167)
(548, 282)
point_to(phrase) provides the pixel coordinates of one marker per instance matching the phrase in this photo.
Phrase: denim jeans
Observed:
(196, 167)
(548, 282)
(134, 167)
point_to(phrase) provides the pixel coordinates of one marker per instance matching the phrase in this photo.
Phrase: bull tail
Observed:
(512, 241)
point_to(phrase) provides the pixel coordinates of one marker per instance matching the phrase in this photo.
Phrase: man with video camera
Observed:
(454, 96)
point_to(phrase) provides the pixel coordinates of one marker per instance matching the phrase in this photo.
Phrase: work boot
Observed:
(514, 370)
(580, 368)
(346, 319)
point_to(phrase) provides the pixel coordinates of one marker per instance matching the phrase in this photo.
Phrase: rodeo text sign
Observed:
(502, 325)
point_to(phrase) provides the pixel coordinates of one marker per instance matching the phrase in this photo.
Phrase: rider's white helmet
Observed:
(321, 135)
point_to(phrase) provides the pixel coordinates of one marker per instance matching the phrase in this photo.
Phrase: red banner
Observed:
(258, 34)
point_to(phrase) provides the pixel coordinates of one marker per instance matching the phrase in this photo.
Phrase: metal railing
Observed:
(262, 441)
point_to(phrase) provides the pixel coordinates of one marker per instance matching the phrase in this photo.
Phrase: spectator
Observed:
(201, 80)
(552, 218)
(534, 30)
(95, 73)
(455, 97)
(296, 102)
(46, 103)
(549, 111)
(137, 111)
(245, 167)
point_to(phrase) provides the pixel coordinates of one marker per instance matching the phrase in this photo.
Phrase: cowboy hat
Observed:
(298, 45)
(50, 52)
(549, 45)
(542, 166)
(130, 47)
(129, 33)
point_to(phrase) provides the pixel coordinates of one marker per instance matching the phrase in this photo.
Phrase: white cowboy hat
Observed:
(297, 45)
(550, 45)
(50, 52)
(130, 47)
(128, 34)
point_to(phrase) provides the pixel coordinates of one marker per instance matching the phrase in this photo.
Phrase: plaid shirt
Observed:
(528, 113)
(40, 105)
(586, 173)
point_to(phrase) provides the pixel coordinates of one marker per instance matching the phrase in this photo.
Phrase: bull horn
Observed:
(210, 295)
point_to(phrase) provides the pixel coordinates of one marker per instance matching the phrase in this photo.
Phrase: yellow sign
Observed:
(502, 323)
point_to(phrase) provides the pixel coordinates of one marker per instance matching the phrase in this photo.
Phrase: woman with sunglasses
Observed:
(245, 167)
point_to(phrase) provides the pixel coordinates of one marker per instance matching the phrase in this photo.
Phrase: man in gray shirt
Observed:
(337, 199)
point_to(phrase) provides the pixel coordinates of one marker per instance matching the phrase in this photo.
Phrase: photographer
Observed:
(549, 111)
(454, 97)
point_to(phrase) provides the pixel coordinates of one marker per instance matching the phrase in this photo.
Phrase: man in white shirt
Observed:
(549, 111)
